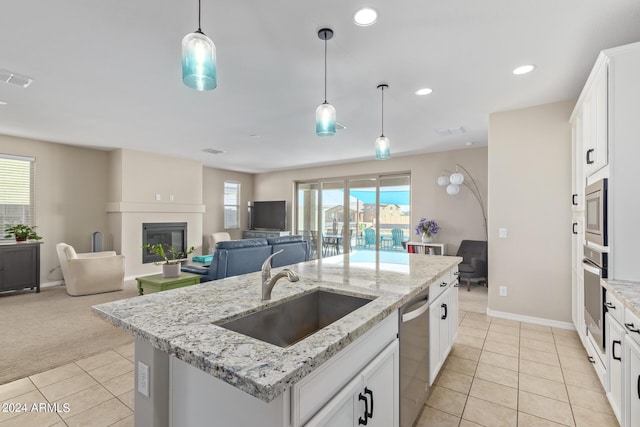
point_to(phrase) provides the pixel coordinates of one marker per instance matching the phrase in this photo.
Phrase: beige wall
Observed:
(71, 192)
(529, 195)
(213, 199)
(459, 216)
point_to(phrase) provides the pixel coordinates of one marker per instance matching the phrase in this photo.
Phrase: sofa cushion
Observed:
(283, 239)
(245, 243)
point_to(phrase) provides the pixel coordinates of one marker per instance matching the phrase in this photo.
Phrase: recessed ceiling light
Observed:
(423, 91)
(365, 17)
(3, 103)
(524, 69)
(469, 143)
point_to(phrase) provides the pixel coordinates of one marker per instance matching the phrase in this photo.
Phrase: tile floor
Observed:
(506, 373)
(96, 391)
(499, 373)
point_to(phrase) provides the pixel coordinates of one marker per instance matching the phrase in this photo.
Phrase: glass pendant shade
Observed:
(199, 62)
(443, 180)
(325, 120)
(453, 189)
(456, 178)
(383, 148)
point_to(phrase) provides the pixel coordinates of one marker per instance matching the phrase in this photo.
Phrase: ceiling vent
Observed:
(451, 131)
(15, 79)
(212, 151)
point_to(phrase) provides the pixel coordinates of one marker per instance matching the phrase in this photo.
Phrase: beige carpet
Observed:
(50, 329)
(475, 300)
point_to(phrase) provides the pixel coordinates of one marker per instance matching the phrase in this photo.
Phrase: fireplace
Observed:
(168, 233)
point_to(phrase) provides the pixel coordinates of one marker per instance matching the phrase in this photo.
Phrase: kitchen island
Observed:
(197, 367)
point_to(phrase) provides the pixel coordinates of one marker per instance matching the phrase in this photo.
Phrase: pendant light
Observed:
(382, 142)
(199, 60)
(325, 113)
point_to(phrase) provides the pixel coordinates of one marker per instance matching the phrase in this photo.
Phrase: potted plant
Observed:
(170, 266)
(21, 232)
(427, 228)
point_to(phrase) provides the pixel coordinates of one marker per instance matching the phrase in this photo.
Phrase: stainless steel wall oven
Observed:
(595, 196)
(595, 268)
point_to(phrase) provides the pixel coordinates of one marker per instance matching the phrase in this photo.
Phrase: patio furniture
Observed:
(397, 235)
(369, 237)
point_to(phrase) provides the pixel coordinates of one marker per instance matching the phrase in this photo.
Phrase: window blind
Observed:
(231, 205)
(17, 200)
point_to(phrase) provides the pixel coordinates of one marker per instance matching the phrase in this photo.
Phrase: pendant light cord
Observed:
(382, 121)
(199, 12)
(325, 70)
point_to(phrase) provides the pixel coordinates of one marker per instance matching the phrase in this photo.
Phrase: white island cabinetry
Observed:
(443, 320)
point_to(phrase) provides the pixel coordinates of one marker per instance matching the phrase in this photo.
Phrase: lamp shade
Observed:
(325, 120)
(456, 178)
(453, 189)
(443, 180)
(199, 62)
(383, 148)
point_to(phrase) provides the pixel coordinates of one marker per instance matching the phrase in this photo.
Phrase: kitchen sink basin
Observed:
(286, 323)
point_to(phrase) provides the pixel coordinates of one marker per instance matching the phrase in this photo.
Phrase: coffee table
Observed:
(156, 282)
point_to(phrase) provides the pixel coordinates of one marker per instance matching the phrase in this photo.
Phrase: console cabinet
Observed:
(266, 234)
(20, 266)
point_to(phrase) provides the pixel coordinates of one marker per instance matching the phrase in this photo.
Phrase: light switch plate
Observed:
(502, 233)
(503, 291)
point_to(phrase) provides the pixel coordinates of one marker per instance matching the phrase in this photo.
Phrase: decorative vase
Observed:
(426, 239)
(170, 270)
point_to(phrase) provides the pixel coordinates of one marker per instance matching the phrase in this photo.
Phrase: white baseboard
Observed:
(531, 319)
(50, 284)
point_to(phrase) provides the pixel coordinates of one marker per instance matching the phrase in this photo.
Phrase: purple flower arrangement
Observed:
(429, 227)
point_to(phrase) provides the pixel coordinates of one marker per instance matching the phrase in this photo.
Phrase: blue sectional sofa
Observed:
(236, 257)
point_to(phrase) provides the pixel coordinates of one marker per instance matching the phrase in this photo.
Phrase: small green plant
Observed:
(176, 255)
(21, 232)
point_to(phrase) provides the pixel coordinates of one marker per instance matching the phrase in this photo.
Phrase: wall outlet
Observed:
(158, 196)
(143, 379)
(503, 291)
(502, 233)
(171, 197)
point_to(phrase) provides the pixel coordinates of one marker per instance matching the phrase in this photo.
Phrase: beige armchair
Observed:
(221, 236)
(90, 273)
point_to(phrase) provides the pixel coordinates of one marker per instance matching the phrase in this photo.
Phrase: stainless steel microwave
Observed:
(595, 201)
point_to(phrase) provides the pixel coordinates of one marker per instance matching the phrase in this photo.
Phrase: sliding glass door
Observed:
(354, 213)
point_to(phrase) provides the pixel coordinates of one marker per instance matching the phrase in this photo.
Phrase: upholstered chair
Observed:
(90, 273)
(473, 267)
(220, 236)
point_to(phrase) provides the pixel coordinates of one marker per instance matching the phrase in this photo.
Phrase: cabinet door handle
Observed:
(638, 386)
(573, 200)
(589, 159)
(591, 359)
(632, 328)
(370, 393)
(574, 229)
(443, 284)
(613, 349)
(366, 410)
(609, 305)
(444, 316)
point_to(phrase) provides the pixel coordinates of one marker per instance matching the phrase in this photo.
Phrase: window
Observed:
(16, 191)
(231, 205)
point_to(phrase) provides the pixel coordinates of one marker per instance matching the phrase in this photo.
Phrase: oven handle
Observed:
(406, 317)
(591, 269)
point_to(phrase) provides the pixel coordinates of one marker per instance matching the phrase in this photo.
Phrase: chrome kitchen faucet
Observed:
(268, 283)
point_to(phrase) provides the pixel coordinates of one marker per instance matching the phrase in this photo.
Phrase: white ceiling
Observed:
(107, 73)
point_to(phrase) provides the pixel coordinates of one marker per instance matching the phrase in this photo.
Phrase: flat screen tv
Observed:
(268, 215)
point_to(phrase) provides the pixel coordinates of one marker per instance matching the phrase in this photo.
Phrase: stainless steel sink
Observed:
(286, 323)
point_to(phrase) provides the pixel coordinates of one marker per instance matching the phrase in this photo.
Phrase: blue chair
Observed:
(397, 236)
(369, 237)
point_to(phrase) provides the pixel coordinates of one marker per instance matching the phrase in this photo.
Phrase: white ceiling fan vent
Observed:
(15, 79)
(212, 151)
(451, 131)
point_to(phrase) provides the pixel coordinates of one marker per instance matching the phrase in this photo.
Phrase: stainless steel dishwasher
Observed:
(414, 358)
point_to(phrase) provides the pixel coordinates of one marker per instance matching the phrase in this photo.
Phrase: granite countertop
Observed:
(181, 321)
(627, 291)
